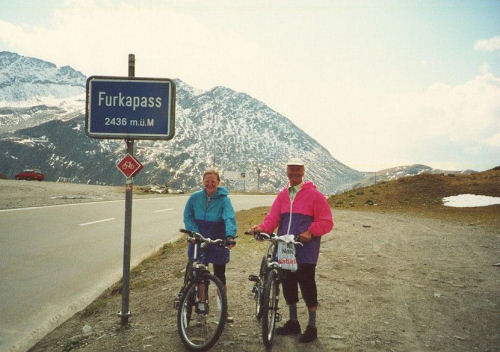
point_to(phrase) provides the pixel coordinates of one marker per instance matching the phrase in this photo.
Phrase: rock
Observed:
(74, 340)
(87, 329)
(337, 337)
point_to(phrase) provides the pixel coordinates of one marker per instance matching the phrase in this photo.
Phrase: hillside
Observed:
(397, 172)
(422, 194)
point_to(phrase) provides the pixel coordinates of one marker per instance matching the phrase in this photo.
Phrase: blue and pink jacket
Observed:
(308, 211)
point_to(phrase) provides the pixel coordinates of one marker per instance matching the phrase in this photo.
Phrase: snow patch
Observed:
(470, 200)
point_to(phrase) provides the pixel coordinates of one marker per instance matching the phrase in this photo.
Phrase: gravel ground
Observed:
(386, 282)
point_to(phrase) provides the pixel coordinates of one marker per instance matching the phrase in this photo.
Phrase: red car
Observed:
(30, 174)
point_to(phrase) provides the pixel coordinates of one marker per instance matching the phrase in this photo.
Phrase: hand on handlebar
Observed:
(257, 233)
(253, 230)
(230, 242)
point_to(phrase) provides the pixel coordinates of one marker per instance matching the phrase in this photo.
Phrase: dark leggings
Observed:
(303, 277)
(220, 272)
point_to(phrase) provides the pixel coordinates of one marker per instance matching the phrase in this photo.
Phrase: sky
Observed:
(378, 83)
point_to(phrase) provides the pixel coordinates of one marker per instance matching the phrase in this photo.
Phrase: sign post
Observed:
(129, 108)
(124, 313)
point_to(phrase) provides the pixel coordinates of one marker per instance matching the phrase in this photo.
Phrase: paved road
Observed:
(54, 260)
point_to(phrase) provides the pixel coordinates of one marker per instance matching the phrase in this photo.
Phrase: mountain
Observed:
(395, 173)
(231, 130)
(26, 79)
(34, 91)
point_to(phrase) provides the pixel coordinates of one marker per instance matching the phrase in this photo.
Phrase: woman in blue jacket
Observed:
(209, 211)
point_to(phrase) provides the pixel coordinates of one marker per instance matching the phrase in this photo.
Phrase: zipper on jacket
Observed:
(291, 207)
(207, 202)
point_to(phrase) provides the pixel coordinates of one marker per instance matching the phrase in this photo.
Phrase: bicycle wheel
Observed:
(269, 307)
(259, 286)
(202, 313)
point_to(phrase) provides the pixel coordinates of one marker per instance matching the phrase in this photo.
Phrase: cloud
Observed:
(446, 126)
(494, 140)
(492, 44)
(94, 38)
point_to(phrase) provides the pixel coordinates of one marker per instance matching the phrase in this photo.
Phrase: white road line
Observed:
(95, 222)
(59, 205)
(86, 203)
(162, 210)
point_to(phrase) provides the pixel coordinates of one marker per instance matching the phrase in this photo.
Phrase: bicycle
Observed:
(202, 293)
(266, 287)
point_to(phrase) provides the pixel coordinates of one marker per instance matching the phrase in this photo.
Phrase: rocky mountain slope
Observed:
(231, 130)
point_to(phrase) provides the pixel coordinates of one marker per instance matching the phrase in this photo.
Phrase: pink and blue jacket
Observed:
(308, 211)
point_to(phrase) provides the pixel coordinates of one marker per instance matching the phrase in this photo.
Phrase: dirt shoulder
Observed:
(386, 282)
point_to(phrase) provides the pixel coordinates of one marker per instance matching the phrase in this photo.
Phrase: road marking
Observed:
(162, 210)
(95, 222)
(86, 203)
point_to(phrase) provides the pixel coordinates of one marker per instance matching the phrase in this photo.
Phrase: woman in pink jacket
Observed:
(300, 209)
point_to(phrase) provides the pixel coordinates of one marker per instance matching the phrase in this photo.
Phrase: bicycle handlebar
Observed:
(201, 238)
(274, 237)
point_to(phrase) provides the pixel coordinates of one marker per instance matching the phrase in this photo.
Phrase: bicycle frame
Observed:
(194, 269)
(266, 288)
(202, 299)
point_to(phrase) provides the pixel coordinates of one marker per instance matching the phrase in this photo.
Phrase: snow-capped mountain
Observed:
(231, 130)
(34, 91)
(29, 80)
(403, 171)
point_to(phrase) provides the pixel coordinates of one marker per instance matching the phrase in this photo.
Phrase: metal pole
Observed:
(129, 186)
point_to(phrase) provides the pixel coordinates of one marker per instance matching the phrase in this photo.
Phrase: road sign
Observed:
(129, 166)
(130, 108)
(233, 175)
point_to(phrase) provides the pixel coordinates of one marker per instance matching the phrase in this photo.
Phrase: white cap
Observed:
(295, 161)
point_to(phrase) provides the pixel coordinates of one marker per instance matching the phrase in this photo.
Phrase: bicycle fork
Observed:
(177, 300)
(277, 313)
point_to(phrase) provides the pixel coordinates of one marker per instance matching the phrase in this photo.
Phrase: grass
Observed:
(423, 194)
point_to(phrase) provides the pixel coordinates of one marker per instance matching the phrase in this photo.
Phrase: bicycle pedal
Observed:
(253, 278)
